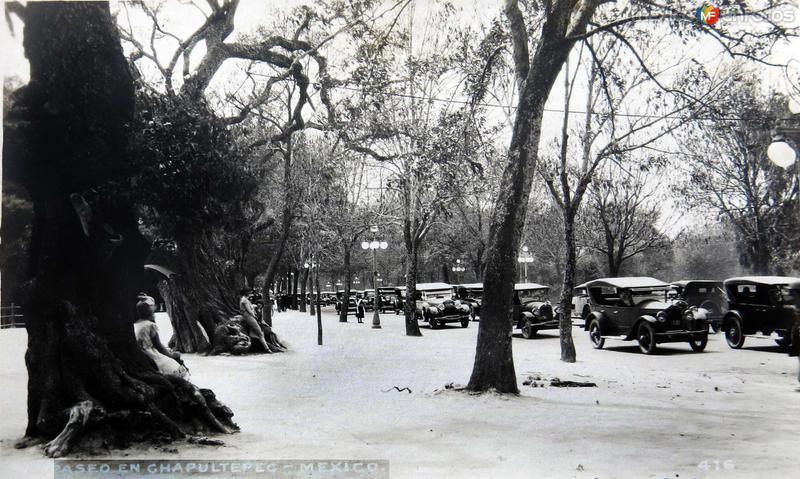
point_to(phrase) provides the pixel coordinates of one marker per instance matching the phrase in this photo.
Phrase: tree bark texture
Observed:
(303, 284)
(565, 301)
(202, 292)
(347, 278)
(494, 362)
(89, 383)
(409, 305)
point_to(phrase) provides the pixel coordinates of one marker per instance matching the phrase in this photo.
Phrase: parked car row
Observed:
(652, 312)
(644, 309)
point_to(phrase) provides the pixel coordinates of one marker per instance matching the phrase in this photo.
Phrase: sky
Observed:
(181, 18)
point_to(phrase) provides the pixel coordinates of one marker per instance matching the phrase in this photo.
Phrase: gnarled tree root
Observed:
(94, 395)
(79, 417)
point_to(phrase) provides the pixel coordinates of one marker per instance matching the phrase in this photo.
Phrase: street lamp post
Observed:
(783, 149)
(525, 258)
(458, 269)
(311, 264)
(375, 245)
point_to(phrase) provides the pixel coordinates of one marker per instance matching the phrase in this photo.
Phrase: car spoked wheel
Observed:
(733, 334)
(528, 331)
(594, 335)
(698, 344)
(647, 338)
(433, 322)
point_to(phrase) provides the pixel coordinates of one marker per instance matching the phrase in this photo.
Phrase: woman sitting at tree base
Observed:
(168, 362)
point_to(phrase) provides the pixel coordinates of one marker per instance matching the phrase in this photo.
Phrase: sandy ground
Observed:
(661, 416)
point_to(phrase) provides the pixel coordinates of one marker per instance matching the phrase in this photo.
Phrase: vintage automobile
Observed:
(638, 308)
(388, 299)
(472, 294)
(399, 299)
(580, 302)
(761, 304)
(351, 302)
(706, 294)
(436, 305)
(369, 299)
(532, 309)
(328, 298)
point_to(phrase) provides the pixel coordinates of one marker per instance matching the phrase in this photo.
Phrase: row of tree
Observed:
(236, 158)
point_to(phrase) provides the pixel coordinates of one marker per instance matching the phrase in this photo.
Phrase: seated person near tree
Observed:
(168, 362)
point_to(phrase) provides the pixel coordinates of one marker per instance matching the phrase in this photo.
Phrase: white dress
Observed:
(147, 332)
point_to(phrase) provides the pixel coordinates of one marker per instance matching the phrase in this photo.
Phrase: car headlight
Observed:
(689, 315)
(433, 310)
(661, 316)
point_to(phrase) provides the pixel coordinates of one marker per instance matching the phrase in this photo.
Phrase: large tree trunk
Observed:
(202, 292)
(296, 276)
(348, 276)
(565, 302)
(286, 228)
(409, 305)
(494, 361)
(88, 381)
(303, 284)
(319, 310)
(187, 334)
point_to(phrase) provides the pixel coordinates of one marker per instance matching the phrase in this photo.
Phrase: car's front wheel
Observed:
(647, 338)
(734, 334)
(594, 335)
(472, 314)
(464, 323)
(433, 322)
(528, 331)
(698, 343)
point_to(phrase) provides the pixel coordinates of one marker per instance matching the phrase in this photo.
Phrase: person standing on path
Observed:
(360, 309)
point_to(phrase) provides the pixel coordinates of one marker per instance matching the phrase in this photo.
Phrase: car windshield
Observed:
(472, 293)
(438, 294)
(528, 295)
(649, 294)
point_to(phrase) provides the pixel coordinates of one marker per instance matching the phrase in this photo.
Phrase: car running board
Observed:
(614, 337)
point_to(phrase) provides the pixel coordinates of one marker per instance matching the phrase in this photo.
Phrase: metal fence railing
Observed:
(11, 317)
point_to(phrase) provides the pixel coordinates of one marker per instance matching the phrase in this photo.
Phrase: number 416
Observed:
(716, 465)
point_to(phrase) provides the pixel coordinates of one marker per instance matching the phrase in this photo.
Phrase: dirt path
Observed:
(662, 416)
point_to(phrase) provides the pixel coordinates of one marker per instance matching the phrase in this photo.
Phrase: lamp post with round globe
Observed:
(525, 258)
(457, 269)
(375, 245)
(783, 149)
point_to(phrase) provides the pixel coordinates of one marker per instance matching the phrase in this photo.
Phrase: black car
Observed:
(472, 294)
(369, 299)
(532, 309)
(638, 308)
(388, 299)
(351, 302)
(761, 304)
(436, 305)
(706, 294)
